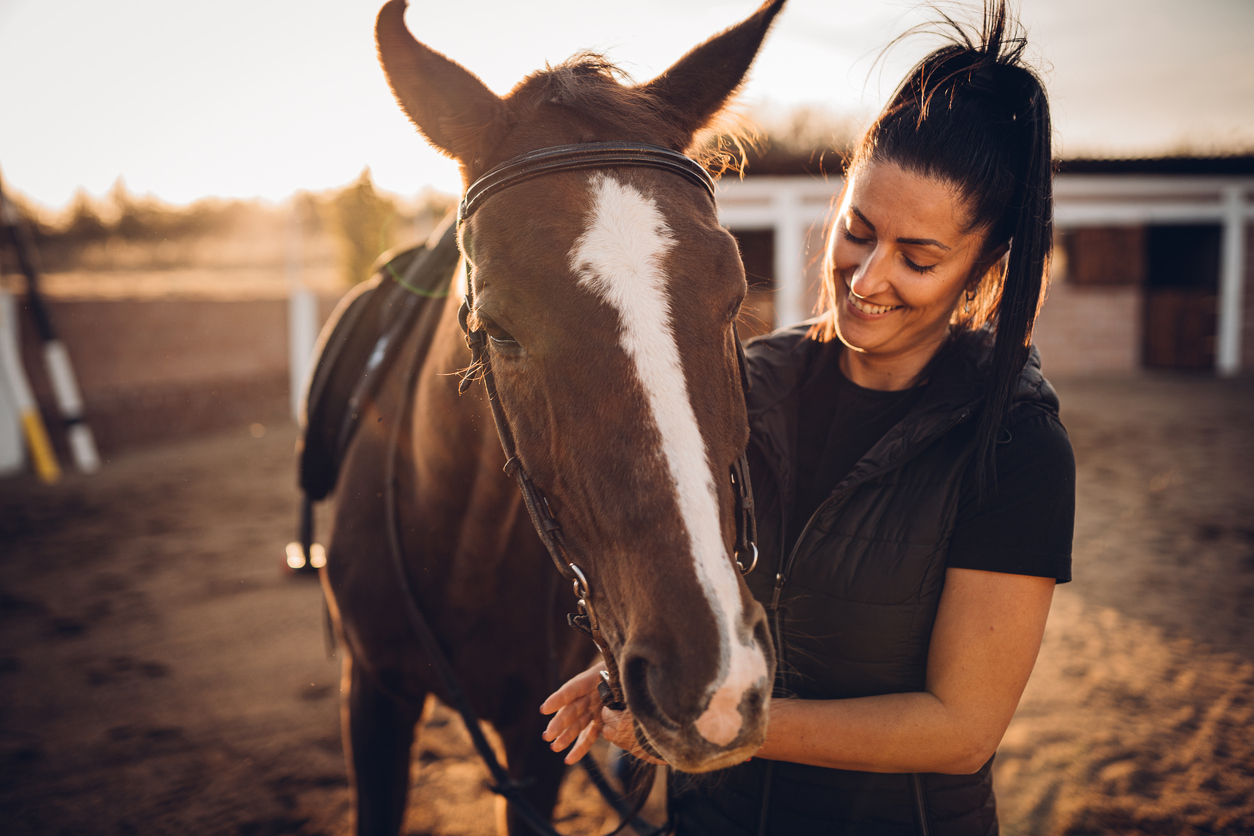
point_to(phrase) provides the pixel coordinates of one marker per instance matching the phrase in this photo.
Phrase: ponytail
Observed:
(1023, 285)
(973, 115)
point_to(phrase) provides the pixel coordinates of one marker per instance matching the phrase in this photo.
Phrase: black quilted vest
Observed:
(853, 605)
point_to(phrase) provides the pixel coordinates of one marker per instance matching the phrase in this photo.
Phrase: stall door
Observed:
(1181, 295)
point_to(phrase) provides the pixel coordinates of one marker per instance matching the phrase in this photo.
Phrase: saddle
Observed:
(402, 301)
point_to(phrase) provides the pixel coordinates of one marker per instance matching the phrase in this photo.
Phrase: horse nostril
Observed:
(641, 689)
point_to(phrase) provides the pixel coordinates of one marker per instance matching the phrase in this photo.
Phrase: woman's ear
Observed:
(985, 263)
(996, 255)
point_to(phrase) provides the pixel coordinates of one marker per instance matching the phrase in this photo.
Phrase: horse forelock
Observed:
(620, 257)
(594, 94)
(601, 96)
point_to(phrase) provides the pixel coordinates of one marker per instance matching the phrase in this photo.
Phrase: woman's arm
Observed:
(984, 643)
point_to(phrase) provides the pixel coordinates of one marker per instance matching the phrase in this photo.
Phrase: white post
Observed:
(789, 255)
(1231, 284)
(42, 455)
(302, 312)
(70, 402)
(12, 452)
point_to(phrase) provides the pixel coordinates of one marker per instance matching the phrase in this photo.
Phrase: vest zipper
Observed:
(781, 577)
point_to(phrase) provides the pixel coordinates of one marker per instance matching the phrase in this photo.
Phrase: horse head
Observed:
(609, 297)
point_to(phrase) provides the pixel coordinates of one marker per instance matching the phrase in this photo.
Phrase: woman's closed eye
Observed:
(918, 268)
(851, 238)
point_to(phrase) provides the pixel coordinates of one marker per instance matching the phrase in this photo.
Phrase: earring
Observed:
(966, 306)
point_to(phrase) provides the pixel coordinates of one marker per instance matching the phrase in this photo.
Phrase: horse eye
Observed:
(498, 336)
(505, 341)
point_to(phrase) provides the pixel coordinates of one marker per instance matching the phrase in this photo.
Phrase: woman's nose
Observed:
(868, 277)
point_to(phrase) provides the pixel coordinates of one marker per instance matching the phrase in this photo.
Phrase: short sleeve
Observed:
(1026, 522)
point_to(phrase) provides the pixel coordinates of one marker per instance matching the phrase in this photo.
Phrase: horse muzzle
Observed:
(700, 731)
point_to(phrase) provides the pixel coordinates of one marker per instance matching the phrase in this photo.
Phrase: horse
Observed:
(604, 297)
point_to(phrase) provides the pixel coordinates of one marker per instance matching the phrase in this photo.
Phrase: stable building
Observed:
(1153, 264)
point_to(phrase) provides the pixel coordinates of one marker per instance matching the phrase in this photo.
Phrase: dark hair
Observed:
(972, 115)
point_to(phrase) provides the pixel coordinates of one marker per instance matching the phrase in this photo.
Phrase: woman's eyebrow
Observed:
(861, 216)
(931, 242)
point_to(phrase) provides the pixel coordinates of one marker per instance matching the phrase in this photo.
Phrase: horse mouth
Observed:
(687, 751)
(686, 747)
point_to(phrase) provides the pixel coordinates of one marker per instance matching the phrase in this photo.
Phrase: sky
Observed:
(261, 98)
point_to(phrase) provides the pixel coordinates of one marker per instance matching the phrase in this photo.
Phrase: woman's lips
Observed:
(867, 309)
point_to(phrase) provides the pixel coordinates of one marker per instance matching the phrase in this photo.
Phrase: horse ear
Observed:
(452, 108)
(698, 85)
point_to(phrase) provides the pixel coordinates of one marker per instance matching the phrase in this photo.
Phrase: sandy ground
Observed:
(158, 674)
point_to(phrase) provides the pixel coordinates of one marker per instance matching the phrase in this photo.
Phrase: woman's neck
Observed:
(887, 373)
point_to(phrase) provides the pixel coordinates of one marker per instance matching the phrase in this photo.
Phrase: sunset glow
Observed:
(244, 99)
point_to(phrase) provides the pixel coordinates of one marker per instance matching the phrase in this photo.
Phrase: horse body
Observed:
(608, 297)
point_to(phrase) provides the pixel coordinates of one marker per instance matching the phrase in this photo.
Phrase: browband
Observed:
(584, 155)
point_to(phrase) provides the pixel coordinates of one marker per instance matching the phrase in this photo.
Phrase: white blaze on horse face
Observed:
(619, 257)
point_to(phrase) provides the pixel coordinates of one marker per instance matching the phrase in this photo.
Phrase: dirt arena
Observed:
(158, 674)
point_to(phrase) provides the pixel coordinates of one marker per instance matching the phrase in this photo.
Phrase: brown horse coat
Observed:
(609, 297)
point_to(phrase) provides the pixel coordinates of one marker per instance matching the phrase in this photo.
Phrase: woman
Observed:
(915, 489)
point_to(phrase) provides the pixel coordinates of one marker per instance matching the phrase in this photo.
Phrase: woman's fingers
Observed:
(571, 730)
(619, 728)
(584, 743)
(566, 715)
(577, 686)
(577, 713)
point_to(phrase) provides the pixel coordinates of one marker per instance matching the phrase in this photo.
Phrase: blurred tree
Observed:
(83, 222)
(365, 222)
(139, 219)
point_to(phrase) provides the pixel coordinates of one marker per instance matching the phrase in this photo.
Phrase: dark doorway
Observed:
(1181, 286)
(757, 251)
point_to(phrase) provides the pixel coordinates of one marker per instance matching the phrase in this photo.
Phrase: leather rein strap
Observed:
(519, 170)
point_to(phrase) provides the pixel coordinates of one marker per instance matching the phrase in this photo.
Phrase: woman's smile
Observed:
(866, 309)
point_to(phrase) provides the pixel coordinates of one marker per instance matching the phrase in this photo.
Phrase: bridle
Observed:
(510, 173)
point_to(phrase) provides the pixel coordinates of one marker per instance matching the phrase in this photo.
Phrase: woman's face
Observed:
(903, 260)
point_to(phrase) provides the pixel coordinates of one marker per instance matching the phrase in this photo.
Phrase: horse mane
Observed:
(601, 93)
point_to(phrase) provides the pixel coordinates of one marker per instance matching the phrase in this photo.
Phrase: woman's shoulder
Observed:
(1023, 522)
(777, 363)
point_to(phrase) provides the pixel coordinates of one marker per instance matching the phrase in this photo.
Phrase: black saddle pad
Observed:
(358, 345)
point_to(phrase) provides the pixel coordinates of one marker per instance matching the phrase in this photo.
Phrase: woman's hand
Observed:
(581, 718)
(578, 714)
(619, 728)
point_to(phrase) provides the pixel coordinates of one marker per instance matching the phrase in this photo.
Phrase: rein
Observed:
(518, 170)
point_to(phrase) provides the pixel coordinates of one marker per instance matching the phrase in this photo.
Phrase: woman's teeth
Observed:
(868, 308)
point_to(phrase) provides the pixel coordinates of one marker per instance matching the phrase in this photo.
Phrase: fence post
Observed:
(789, 254)
(1231, 284)
(302, 311)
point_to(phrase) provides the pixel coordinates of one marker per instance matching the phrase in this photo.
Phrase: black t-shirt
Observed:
(1024, 525)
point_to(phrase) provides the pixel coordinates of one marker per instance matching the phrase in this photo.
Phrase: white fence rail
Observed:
(791, 206)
